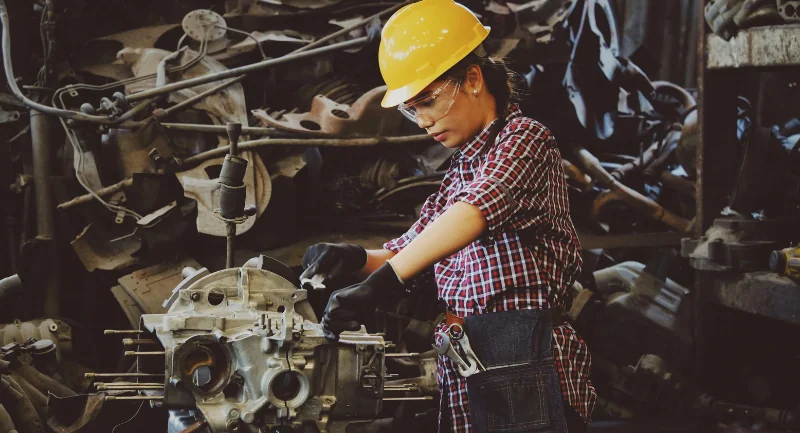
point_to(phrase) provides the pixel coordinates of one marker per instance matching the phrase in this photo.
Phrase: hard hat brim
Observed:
(394, 97)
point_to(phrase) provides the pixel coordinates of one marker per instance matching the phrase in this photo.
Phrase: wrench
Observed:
(465, 369)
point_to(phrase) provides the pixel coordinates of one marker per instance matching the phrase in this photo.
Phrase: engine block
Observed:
(244, 351)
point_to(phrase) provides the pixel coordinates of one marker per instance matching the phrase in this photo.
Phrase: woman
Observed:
(497, 232)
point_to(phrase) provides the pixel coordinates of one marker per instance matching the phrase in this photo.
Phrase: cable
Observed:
(131, 418)
(258, 44)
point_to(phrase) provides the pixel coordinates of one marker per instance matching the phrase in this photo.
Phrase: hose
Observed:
(12, 82)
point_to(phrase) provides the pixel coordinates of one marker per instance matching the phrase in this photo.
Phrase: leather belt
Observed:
(556, 314)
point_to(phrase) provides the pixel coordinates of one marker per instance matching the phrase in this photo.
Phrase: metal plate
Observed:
(196, 23)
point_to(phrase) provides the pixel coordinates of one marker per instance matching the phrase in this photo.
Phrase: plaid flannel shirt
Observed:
(518, 183)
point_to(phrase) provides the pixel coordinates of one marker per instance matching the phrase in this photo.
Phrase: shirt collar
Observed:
(474, 147)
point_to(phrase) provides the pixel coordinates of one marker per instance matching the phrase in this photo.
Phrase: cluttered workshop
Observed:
(349, 216)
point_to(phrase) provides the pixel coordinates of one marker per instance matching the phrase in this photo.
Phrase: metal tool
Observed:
(466, 367)
(314, 283)
(463, 342)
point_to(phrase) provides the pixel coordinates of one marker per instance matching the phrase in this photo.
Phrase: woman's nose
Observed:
(424, 122)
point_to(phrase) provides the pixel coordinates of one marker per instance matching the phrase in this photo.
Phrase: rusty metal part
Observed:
(105, 192)
(789, 10)
(194, 428)
(726, 17)
(365, 117)
(619, 191)
(135, 397)
(94, 375)
(350, 28)
(93, 248)
(137, 341)
(135, 353)
(333, 142)
(57, 331)
(679, 184)
(231, 73)
(122, 331)
(756, 47)
(199, 97)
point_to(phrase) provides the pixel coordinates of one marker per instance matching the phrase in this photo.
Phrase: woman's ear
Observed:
(474, 80)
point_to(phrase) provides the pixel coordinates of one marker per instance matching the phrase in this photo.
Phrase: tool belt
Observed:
(557, 315)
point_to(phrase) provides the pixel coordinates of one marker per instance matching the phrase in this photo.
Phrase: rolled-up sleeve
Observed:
(426, 215)
(514, 168)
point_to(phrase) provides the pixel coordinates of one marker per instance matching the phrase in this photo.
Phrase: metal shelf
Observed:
(767, 46)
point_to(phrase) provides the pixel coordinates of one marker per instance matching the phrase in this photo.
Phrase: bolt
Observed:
(233, 425)
(195, 296)
(248, 417)
(53, 327)
(233, 414)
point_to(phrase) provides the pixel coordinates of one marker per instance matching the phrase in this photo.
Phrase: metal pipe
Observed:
(427, 397)
(198, 97)
(12, 82)
(333, 142)
(135, 397)
(109, 190)
(134, 353)
(93, 375)
(235, 72)
(213, 129)
(130, 388)
(194, 428)
(618, 190)
(348, 29)
(122, 331)
(135, 341)
(402, 355)
(45, 214)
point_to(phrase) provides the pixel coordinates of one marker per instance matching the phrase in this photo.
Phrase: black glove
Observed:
(333, 260)
(347, 305)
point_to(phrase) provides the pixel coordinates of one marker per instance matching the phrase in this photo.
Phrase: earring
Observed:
(475, 92)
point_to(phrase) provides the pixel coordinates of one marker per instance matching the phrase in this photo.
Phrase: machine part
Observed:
(204, 25)
(45, 214)
(138, 151)
(332, 142)
(199, 186)
(149, 287)
(594, 92)
(232, 195)
(743, 245)
(641, 314)
(8, 116)
(636, 200)
(784, 419)
(726, 17)
(542, 18)
(789, 10)
(54, 330)
(365, 117)
(242, 70)
(105, 192)
(248, 352)
(75, 414)
(10, 286)
(199, 97)
(93, 248)
(786, 262)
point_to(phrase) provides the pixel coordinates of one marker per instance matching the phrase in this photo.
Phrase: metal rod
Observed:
(129, 388)
(214, 129)
(348, 29)
(334, 142)
(427, 397)
(200, 96)
(402, 355)
(135, 341)
(109, 190)
(93, 375)
(132, 353)
(195, 427)
(230, 234)
(125, 384)
(235, 72)
(134, 397)
(122, 331)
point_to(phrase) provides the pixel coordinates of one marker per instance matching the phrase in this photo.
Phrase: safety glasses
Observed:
(431, 106)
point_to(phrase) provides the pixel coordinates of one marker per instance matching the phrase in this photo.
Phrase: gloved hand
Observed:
(333, 260)
(347, 305)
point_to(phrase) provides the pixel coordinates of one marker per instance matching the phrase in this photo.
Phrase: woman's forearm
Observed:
(457, 227)
(375, 259)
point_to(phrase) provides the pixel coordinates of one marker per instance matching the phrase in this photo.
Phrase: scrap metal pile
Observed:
(127, 136)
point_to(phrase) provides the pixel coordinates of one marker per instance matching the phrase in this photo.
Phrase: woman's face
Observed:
(454, 125)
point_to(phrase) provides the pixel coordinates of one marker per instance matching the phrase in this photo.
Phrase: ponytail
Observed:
(501, 81)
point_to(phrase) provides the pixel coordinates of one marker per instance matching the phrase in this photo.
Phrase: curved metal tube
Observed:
(619, 191)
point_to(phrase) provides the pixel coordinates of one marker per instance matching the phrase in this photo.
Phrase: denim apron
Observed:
(519, 392)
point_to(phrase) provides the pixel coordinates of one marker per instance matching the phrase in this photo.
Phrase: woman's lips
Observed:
(440, 136)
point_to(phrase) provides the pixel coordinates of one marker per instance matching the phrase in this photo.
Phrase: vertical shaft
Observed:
(234, 130)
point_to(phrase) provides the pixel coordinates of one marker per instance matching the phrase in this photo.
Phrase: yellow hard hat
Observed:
(422, 41)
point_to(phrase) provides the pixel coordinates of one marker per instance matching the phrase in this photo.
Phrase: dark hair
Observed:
(503, 83)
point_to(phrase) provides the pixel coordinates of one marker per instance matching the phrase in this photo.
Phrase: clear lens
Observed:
(431, 106)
